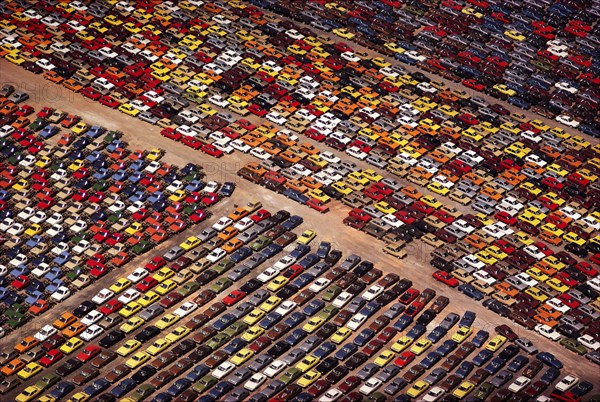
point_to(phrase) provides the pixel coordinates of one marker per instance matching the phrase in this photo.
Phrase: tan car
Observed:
(117, 373)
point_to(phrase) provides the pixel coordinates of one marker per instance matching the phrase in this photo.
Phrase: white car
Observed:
(222, 223)
(461, 224)
(484, 276)
(92, 317)
(547, 332)
(392, 220)
(185, 309)
(39, 217)
(434, 394)
(519, 384)
(557, 304)
(41, 270)
(176, 185)
(329, 157)
(55, 218)
(570, 212)
(276, 118)
(286, 307)
(565, 86)
(216, 255)
(240, 145)
(319, 284)
(62, 293)
(591, 221)
(219, 101)
(46, 332)
(186, 131)
(372, 292)
(268, 274)
(594, 283)
(211, 187)
(536, 159)
(260, 153)
(80, 247)
(284, 262)
(331, 395)
(567, 383)
(91, 332)
(342, 299)
(6, 130)
(356, 321)
(137, 275)
(274, 368)
(427, 87)
(473, 261)
(526, 279)
(255, 381)
(45, 64)
(498, 230)
(355, 152)
(589, 342)
(223, 369)
(103, 296)
(129, 295)
(224, 146)
(135, 207)
(533, 251)
(567, 120)
(243, 224)
(54, 230)
(370, 386)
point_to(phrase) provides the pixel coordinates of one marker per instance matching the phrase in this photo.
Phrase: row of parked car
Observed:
(541, 56)
(72, 213)
(284, 332)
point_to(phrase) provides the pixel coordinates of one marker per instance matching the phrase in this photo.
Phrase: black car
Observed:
(147, 333)
(83, 309)
(143, 374)
(68, 367)
(112, 338)
(426, 317)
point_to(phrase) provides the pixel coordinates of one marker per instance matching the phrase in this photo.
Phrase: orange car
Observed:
(290, 156)
(309, 148)
(476, 241)
(238, 214)
(545, 268)
(506, 288)
(26, 343)
(73, 330)
(551, 238)
(311, 182)
(543, 318)
(64, 321)
(412, 192)
(232, 245)
(228, 233)
(12, 367)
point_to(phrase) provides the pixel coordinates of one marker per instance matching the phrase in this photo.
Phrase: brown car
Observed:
(216, 358)
(86, 374)
(388, 280)
(161, 379)
(465, 350)
(440, 304)
(533, 368)
(163, 360)
(188, 395)
(278, 330)
(117, 373)
(105, 357)
(450, 363)
(286, 239)
(414, 372)
(8, 384)
(449, 382)
(181, 366)
(379, 323)
(347, 280)
(342, 317)
(214, 310)
(204, 334)
(304, 296)
(197, 321)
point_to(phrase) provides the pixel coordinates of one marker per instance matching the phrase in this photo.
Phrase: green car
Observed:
(204, 384)
(290, 375)
(331, 293)
(218, 340)
(192, 176)
(260, 243)
(235, 329)
(377, 397)
(573, 345)
(328, 312)
(18, 320)
(484, 391)
(142, 247)
(47, 381)
(100, 185)
(221, 284)
(112, 135)
(38, 124)
(188, 288)
(142, 392)
(75, 273)
(223, 266)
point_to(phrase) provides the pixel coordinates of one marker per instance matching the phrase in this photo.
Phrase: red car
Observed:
(293, 271)
(569, 300)
(99, 271)
(543, 248)
(408, 296)
(233, 297)
(445, 278)
(198, 216)
(51, 357)
(318, 205)
(404, 359)
(587, 269)
(89, 353)
(170, 132)
(210, 199)
(414, 308)
(349, 384)
(146, 284)
(257, 110)
(45, 112)
(471, 83)
(212, 150)
(260, 215)
(505, 217)
(20, 282)
(109, 101)
(111, 306)
(155, 264)
(505, 246)
(358, 213)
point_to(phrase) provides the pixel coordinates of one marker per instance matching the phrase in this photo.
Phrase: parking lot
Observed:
(385, 212)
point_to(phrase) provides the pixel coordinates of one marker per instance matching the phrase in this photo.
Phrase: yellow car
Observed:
(556, 168)
(154, 154)
(420, 346)
(309, 378)
(343, 33)
(75, 166)
(177, 196)
(554, 263)
(29, 370)
(28, 394)
(402, 343)
(306, 237)
(417, 389)
(307, 363)
(462, 334)
(167, 321)
(431, 201)
(552, 228)
(361, 178)
(495, 252)
(129, 110)
(71, 345)
(485, 257)
(438, 188)
(137, 360)
(495, 343)
(463, 389)
(120, 285)
(342, 188)
(33, 230)
(130, 309)
(132, 324)
(277, 283)
(158, 346)
(165, 287)
(252, 333)
(537, 274)
(588, 175)
(313, 324)
(242, 357)
(319, 195)
(531, 188)
(536, 294)
(178, 333)
(190, 243)
(529, 218)
(163, 274)
(557, 285)
(385, 207)
(80, 128)
(384, 358)
(574, 238)
(270, 304)
(372, 175)
(524, 238)
(254, 316)
(341, 335)
(148, 298)
(128, 347)
(515, 35)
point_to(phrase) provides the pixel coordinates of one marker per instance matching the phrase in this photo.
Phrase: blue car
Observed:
(482, 357)
(292, 222)
(480, 337)
(96, 387)
(364, 336)
(179, 386)
(198, 372)
(324, 350)
(49, 131)
(445, 348)
(467, 319)
(518, 363)
(549, 359)
(101, 174)
(271, 250)
(346, 351)
(295, 195)
(241, 254)
(464, 369)
(162, 397)
(470, 291)
(403, 322)
(313, 307)
(303, 280)
(270, 320)
(295, 318)
(194, 185)
(223, 322)
(62, 389)
(295, 337)
(436, 334)
(495, 365)
(218, 391)
(431, 359)
(308, 261)
(123, 387)
(234, 346)
(300, 251)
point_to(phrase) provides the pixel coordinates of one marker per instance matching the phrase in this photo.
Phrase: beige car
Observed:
(432, 240)
(395, 249)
